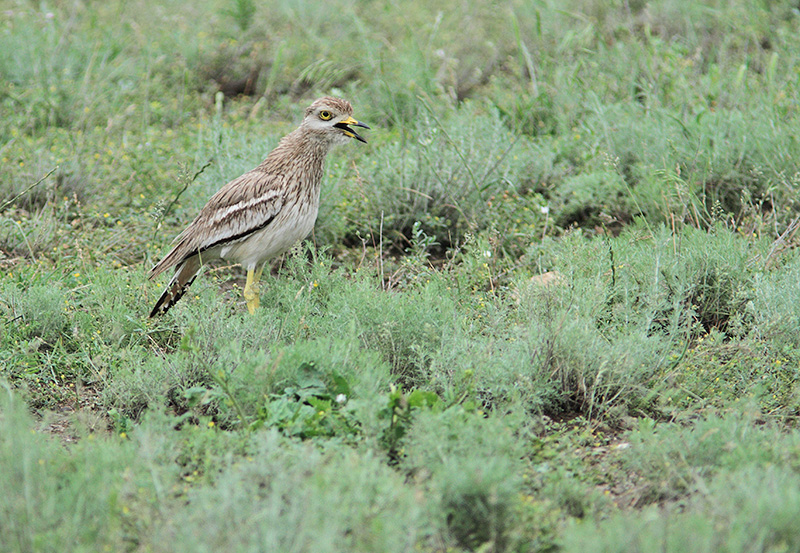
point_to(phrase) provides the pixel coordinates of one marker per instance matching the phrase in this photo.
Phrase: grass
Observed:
(551, 306)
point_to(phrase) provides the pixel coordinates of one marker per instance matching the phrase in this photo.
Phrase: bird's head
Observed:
(331, 119)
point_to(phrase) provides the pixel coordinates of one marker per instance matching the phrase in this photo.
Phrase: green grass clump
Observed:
(473, 466)
(741, 479)
(133, 491)
(746, 509)
(297, 498)
(680, 460)
(442, 173)
(52, 495)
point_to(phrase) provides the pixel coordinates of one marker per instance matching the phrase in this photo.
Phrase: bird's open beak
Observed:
(350, 132)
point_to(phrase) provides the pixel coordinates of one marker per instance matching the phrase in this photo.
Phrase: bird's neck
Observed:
(298, 150)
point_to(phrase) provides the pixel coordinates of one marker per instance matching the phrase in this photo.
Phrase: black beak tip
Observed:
(358, 136)
(345, 127)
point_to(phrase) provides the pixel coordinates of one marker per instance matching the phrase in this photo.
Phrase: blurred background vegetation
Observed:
(412, 381)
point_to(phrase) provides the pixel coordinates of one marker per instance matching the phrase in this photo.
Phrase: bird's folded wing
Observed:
(242, 207)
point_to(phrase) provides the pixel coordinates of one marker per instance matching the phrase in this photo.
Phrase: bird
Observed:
(264, 212)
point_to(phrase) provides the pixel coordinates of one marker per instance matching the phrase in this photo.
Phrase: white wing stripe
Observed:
(222, 214)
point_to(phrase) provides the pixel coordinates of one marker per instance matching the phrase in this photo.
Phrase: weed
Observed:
(242, 13)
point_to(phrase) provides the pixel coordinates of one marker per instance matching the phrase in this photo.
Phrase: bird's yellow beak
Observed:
(343, 125)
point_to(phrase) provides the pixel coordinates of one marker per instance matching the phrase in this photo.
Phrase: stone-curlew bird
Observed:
(264, 212)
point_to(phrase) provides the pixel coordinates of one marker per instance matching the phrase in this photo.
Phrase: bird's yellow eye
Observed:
(325, 115)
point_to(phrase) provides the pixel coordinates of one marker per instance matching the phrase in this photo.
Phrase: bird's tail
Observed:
(183, 278)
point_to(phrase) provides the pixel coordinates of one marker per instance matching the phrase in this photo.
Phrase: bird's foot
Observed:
(251, 290)
(251, 297)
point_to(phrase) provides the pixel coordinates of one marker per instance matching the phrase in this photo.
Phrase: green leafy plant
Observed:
(398, 412)
(313, 406)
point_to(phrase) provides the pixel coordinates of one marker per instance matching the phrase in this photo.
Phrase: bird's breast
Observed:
(293, 223)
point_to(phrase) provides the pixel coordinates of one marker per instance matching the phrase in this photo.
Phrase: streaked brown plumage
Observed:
(265, 211)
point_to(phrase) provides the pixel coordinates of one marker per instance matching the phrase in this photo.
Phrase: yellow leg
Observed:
(252, 288)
